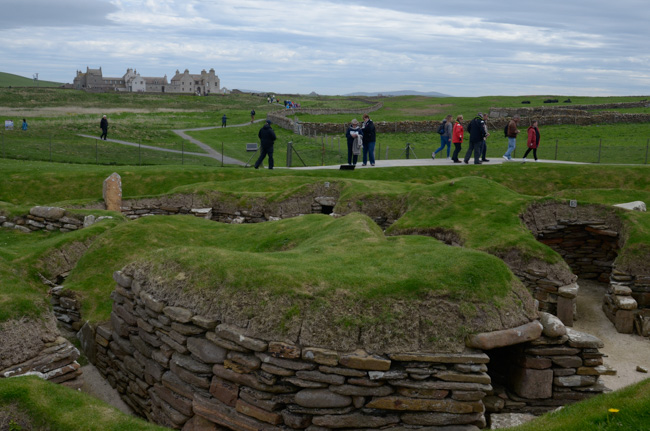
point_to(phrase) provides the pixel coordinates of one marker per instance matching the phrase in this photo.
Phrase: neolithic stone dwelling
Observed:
(93, 80)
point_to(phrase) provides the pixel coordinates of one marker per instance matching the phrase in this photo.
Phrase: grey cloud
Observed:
(49, 13)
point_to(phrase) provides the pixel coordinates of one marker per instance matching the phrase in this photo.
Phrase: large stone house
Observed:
(93, 80)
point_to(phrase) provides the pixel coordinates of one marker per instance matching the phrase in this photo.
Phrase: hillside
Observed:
(10, 80)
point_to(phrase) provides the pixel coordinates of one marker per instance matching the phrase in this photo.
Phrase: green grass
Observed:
(632, 403)
(41, 405)
(10, 80)
(261, 258)
(149, 119)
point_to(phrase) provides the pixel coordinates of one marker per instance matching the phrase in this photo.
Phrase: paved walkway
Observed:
(212, 153)
(209, 151)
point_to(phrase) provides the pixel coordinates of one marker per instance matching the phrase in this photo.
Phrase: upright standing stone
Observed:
(112, 192)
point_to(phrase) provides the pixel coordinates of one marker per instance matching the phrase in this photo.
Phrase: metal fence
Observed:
(319, 151)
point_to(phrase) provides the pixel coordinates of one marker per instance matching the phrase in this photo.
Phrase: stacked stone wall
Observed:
(48, 218)
(546, 373)
(34, 347)
(176, 367)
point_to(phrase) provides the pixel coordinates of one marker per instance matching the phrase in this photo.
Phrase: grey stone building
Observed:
(202, 84)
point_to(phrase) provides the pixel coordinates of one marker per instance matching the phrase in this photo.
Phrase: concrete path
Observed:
(209, 151)
(212, 153)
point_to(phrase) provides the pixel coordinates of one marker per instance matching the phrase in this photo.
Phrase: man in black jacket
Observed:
(369, 139)
(477, 134)
(267, 138)
(103, 124)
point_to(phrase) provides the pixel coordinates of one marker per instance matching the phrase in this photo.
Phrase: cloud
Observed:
(335, 46)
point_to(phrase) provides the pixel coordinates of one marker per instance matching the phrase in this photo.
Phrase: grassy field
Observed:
(57, 117)
(473, 202)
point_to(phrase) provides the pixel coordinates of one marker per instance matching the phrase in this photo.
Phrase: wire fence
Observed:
(319, 151)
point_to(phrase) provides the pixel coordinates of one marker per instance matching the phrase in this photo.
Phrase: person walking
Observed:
(476, 129)
(445, 137)
(223, 120)
(484, 151)
(457, 137)
(252, 115)
(369, 139)
(533, 140)
(512, 137)
(354, 134)
(103, 124)
(24, 127)
(267, 138)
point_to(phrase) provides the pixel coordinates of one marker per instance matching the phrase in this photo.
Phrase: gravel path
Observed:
(624, 351)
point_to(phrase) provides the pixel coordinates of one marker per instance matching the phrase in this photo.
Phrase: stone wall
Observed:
(556, 115)
(173, 366)
(182, 370)
(49, 218)
(35, 347)
(546, 373)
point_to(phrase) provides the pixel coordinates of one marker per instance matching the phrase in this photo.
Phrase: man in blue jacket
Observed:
(267, 138)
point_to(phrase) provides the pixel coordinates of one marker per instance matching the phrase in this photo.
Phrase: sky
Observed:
(463, 48)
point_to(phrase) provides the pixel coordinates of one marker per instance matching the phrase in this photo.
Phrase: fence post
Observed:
(289, 150)
(556, 149)
(647, 143)
(600, 147)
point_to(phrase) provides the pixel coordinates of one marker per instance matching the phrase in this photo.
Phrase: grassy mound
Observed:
(30, 403)
(625, 409)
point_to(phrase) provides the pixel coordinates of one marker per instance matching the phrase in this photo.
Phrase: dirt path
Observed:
(624, 351)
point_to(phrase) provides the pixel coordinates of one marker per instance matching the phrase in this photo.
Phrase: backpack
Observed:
(441, 128)
(505, 129)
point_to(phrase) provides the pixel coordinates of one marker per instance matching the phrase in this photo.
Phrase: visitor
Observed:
(512, 137)
(267, 138)
(355, 141)
(533, 140)
(369, 138)
(476, 131)
(223, 120)
(445, 137)
(484, 151)
(24, 125)
(252, 115)
(103, 124)
(457, 137)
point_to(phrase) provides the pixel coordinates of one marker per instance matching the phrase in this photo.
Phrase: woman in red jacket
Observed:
(533, 140)
(457, 137)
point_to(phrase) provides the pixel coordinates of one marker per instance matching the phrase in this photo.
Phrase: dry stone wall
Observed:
(172, 365)
(35, 347)
(183, 370)
(50, 219)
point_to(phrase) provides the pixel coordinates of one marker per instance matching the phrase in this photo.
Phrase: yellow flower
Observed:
(613, 410)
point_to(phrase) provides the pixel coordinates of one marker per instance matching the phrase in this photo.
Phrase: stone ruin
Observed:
(183, 369)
